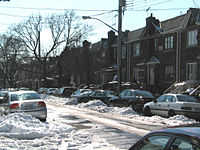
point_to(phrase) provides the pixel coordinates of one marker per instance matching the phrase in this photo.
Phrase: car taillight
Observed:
(41, 104)
(14, 106)
(141, 101)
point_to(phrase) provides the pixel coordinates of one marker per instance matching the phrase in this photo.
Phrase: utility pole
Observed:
(119, 46)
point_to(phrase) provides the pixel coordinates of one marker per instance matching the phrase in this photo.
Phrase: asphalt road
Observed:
(118, 131)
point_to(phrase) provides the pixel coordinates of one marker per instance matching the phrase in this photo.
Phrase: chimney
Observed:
(150, 29)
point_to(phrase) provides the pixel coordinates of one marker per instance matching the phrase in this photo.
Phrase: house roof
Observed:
(170, 25)
(174, 23)
(135, 35)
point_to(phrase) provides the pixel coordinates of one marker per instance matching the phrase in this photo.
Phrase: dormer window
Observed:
(192, 38)
(169, 42)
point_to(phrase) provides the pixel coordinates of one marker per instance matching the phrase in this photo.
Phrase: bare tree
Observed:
(12, 55)
(66, 31)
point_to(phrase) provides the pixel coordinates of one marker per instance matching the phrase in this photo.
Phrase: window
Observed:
(161, 98)
(153, 143)
(123, 52)
(169, 42)
(156, 44)
(169, 73)
(183, 144)
(138, 75)
(191, 73)
(136, 49)
(192, 38)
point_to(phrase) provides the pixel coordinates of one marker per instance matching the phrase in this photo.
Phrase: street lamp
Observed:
(88, 17)
(119, 43)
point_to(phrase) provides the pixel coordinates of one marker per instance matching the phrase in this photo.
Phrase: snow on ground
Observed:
(22, 131)
(99, 106)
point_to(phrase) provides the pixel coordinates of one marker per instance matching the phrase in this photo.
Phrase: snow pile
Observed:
(99, 106)
(59, 100)
(23, 126)
(22, 131)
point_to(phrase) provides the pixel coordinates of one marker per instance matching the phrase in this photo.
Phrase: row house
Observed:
(161, 53)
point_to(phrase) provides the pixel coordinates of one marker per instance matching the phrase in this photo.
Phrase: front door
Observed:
(151, 75)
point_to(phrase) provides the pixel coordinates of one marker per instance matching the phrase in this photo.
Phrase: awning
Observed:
(153, 60)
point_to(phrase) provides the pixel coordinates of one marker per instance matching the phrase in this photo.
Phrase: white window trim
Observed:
(192, 38)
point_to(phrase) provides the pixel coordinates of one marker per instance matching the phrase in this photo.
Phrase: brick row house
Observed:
(159, 54)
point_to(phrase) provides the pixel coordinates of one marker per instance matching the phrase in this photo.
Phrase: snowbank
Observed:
(128, 112)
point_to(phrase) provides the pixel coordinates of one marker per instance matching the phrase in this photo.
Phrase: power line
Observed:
(53, 9)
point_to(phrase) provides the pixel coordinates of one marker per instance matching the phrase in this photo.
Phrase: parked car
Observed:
(178, 138)
(65, 91)
(24, 101)
(80, 92)
(2, 94)
(51, 90)
(24, 89)
(132, 97)
(168, 105)
(102, 95)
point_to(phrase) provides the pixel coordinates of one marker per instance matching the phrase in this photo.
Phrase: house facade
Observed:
(161, 53)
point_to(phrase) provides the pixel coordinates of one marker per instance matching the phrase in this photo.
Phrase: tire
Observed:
(43, 119)
(111, 104)
(133, 107)
(147, 111)
(171, 113)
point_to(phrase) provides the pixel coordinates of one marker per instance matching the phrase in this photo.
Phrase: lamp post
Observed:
(88, 17)
(119, 42)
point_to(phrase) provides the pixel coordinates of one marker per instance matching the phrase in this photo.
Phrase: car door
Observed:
(156, 105)
(122, 100)
(166, 105)
(127, 96)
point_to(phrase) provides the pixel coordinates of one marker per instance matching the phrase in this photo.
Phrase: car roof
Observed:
(193, 131)
(20, 92)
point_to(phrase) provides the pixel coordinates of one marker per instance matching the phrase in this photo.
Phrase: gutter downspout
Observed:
(178, 56)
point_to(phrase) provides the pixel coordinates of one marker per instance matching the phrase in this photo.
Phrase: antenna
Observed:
(148, 10)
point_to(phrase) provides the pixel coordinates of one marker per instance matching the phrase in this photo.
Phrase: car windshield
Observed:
(24, 96)
(186, 98)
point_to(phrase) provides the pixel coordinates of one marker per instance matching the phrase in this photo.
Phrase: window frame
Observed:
(169, 73)
(169, 42)
(192, 69)
(192, 38)
(136, 49)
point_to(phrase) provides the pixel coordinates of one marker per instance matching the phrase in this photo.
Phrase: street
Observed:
(119, 132)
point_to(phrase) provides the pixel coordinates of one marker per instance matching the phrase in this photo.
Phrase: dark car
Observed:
(132, 97)
(178, 138)
(102, 95)
(80, 92)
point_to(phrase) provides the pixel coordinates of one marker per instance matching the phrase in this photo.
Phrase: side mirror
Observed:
(155, 101)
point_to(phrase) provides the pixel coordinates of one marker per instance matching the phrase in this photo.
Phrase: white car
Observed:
(168, 105)
(24, 101)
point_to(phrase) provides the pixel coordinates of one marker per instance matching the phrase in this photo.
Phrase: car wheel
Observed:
(147, 111)
(171, 113)
(43, 119)
(111, 104)
(133, 107)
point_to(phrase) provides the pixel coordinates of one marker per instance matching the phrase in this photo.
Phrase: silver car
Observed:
(24, 101)
(168, 105)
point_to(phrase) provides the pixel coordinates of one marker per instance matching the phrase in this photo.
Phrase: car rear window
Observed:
(186, 98)
(24, 96)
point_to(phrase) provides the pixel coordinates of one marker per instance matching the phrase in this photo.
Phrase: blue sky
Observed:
(133, 18)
